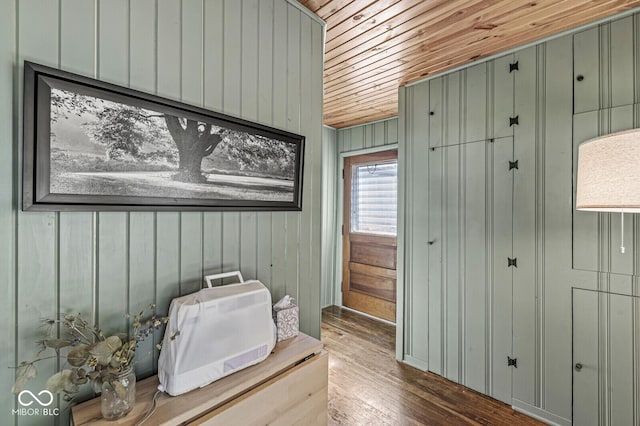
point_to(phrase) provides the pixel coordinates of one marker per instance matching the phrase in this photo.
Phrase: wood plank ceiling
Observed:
(375, 46)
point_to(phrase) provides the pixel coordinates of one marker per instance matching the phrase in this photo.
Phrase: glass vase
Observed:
(119, 395)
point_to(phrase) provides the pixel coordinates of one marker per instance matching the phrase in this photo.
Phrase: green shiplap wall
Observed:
(458, 228)
(338, 144)
(466, 335)
(256, 59)
(372, 135)
(329, 213)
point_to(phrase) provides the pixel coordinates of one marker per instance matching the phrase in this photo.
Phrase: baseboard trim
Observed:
(415, 362)
(539, 413)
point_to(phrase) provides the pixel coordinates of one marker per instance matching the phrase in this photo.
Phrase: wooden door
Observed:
(369, 234)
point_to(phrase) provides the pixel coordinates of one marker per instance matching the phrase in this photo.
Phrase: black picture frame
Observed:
(52, 182)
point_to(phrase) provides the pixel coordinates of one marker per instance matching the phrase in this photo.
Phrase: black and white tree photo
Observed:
(102, 147)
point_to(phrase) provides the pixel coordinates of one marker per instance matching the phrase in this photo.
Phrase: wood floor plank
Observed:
(368, 386)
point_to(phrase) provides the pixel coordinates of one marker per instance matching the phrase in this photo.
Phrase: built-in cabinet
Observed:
(461, 179)
(605, 358)
(518, 286)
(470, 257)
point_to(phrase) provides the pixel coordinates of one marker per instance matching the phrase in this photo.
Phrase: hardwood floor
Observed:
(367, 386)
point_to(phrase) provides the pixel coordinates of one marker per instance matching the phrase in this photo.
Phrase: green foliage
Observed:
(258, 154)
(124, 129)
(73, 162)
(25, 372)
(64, 103)
(104, 356)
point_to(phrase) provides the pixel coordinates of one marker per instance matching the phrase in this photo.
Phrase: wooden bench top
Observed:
(174, 410)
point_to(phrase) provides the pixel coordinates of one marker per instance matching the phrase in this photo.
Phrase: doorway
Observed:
(369, 234)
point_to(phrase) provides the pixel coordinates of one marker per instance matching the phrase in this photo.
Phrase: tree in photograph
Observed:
(261, 154)
(125, 129)
(128, 130)
(194, 140)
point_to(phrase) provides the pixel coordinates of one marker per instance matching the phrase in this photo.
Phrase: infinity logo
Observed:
(35, 398)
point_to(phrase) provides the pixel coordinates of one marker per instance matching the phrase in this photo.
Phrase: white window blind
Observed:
(374, 198)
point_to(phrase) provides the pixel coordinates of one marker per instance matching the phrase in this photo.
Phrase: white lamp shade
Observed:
(609, 173)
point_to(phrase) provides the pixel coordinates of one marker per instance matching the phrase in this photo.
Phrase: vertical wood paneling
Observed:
(435, 249)
(379, 133)
(475, 266)
(621, 370)
(502, 104)
(167, 256)
(142, 281)
(215, 53)
(357, 138)
(76, 230)
(306, 260)
(417, 213)
(191, 231)
(453, 108)
(292, 219)
(392, 131)
(366, 136)
(557, 248)
(585, 224)
(36, 291)
(597, 248)
(142, 226)
(585, 349)
(586, 64)
(452, 302)
(436, 116)
(8, 181)
(265, 115)
(168, 45)
(403, 286)
(248, 245)
(113, 244)
(344, 140)
(313, 316)
(232, 104)
(622, 65)
(310, 226)
(500, 283)
(329, 214)
(527, 214)
(249, 107)
(621, 118)
(213, 99)
(556, 298)
(278, 223)
(475, 96)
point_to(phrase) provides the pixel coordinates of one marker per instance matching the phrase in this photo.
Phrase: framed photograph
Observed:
(92, 146)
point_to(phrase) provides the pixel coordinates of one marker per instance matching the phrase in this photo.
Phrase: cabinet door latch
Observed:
(513, 165)
(513, 67)
(512, 362)
(513, 120)
(512, 262)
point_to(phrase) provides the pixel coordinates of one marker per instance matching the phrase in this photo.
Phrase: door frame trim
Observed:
(337, 281)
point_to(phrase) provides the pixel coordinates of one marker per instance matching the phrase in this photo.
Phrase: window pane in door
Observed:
(374, 189)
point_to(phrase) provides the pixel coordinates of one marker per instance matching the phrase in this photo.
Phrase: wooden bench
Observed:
(289, 387)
